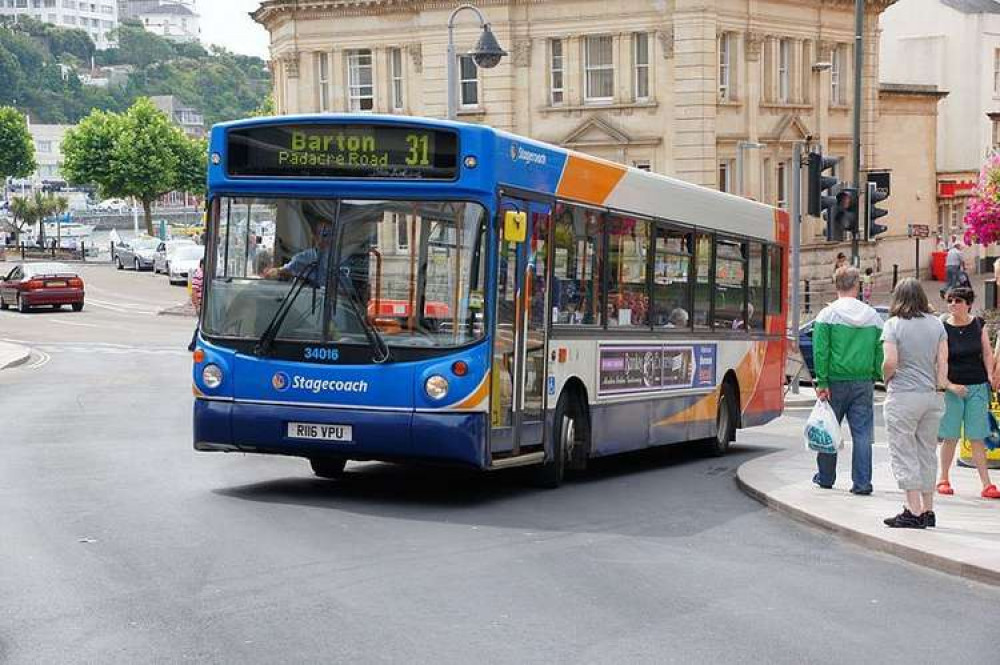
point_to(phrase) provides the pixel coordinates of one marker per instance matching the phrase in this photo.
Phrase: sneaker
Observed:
(905, 520)
(990, 492)
(929, 518)
(861, 492)
(819, 484)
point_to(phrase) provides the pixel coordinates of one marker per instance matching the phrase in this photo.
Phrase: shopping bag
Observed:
(992, 439)
(822, 434)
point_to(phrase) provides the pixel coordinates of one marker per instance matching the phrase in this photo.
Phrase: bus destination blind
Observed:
(343, 151)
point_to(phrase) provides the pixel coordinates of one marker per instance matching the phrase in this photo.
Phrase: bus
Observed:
(450, 293)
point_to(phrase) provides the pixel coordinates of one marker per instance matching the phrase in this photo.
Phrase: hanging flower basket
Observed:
(982, 216)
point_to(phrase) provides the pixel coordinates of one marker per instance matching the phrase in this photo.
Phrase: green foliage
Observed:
(138, 153)
(17, 152)
(222, 85)
(27, 211)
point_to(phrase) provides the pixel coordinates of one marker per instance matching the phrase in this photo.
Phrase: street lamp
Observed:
(486, 54)
(740, 147)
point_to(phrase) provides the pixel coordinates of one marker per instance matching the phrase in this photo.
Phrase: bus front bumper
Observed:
(455, 438)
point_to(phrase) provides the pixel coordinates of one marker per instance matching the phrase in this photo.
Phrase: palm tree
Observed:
(23, 210)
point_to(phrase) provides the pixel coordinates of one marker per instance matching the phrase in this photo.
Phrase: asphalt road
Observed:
(120, 544)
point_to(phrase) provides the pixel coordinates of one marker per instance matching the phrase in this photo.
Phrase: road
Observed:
(120, 544)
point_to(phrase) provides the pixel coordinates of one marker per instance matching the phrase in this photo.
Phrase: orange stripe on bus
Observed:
(477, 396)
(589, 180)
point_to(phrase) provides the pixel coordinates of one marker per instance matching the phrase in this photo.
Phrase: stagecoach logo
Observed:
(280, 381)
(517, 153)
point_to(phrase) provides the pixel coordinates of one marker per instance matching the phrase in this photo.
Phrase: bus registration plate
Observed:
(319, 432)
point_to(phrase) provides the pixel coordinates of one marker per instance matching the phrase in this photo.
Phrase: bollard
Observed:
(895, 275)
(83, 251)
(112, 254)
(22, 251)
(808, 297)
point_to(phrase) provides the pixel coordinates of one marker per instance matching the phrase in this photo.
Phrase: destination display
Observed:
(654, 368)
(342, 151)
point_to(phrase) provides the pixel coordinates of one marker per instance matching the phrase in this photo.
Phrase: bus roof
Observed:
(532, 165)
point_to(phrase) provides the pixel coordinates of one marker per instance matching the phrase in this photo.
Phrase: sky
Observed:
(226, 23)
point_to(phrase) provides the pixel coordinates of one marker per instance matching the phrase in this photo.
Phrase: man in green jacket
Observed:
(847, 355)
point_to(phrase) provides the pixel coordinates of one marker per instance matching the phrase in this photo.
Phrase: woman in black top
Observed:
(970, 378)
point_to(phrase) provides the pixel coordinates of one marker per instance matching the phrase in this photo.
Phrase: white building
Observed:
(176, 20)
(189, 119)
(955, 46)
(98, 18)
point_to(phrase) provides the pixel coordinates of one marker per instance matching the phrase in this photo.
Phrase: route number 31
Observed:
(419, 150)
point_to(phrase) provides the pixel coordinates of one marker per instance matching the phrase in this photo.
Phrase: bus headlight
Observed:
(436, 387)
(211, 376)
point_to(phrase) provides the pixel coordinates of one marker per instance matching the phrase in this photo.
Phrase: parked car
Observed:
(806, 340)
(114, 205)
(184, 262)
(41, 284)
(165, 251)
(137, 253)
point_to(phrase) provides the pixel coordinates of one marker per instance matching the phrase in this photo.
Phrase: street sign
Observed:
(918, 230)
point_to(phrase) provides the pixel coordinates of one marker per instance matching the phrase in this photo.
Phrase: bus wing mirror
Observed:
(515, 226)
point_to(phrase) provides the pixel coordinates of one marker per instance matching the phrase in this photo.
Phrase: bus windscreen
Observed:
(343, 151)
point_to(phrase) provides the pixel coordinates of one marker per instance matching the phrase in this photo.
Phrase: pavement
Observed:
(12, 355)
(966, 541)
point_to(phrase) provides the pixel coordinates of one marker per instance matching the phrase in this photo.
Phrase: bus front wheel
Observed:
(328, 467)
(566, 443)
(725, 421)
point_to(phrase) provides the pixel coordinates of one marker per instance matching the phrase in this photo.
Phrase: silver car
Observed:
(137, 253)
(165, 252)
(184, 262)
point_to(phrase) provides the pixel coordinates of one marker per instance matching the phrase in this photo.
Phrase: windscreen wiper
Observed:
(375, 341)
(266, 341)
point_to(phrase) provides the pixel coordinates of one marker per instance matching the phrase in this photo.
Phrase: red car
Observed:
(41, 284)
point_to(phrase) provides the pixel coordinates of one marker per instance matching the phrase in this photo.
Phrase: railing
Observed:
(32, 251)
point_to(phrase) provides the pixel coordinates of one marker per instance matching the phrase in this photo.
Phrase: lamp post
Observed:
(486, 54)
(740, 147)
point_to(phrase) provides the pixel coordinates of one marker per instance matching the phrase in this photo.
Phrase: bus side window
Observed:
(576, 277)
(703, 281)
(671, 278)
(755, 308)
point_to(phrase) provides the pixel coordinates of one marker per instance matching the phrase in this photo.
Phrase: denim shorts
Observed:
(969, 414)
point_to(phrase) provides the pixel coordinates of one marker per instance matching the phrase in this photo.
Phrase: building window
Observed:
(556, 66)
(43, 146)
(784, 70)
(836, 72)
(323, 76)
(782, 185)
(396, 78)
(806, 71)
(640, 41)
(468, 82)
(402, 233)
(725, 67)
(642, 165)
(360, 83)
(996, 71)
(600, 69)
(725, 176)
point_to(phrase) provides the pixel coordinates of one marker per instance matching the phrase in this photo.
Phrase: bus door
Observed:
(519, 352)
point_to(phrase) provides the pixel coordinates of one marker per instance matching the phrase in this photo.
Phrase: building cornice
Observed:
(271, 12)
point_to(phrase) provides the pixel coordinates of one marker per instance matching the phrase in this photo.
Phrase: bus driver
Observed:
(309, 264)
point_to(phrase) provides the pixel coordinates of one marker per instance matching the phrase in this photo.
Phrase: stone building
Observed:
(713, 93)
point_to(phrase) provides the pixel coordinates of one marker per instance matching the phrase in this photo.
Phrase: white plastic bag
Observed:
(822, 434)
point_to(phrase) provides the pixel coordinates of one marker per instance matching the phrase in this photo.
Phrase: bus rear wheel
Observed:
(328, 467)
(725, 421)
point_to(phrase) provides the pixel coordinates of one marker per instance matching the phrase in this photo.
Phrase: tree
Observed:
(17, 151)
(28, 211)
(138, 154)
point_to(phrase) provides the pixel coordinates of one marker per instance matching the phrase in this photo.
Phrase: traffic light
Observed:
(821, 196)
(846, 209)
(875, 195)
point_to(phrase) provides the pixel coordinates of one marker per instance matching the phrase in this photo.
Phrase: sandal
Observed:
(990, 492)
(944, 487)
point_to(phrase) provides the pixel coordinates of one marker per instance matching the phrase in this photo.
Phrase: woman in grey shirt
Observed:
(915, 347)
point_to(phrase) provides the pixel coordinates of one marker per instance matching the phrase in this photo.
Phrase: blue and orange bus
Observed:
(446, 292)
